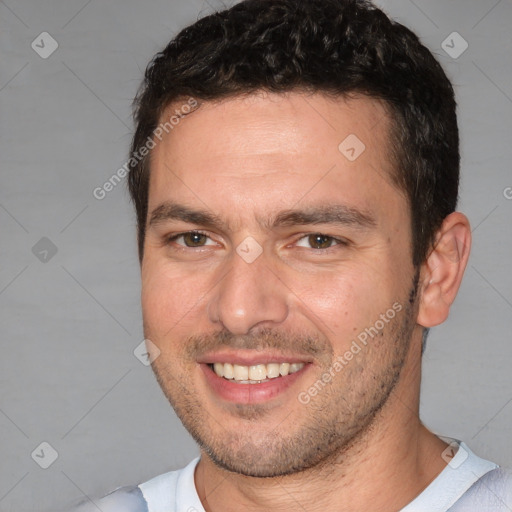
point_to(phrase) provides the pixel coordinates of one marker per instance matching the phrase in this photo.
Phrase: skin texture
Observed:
(358, 443)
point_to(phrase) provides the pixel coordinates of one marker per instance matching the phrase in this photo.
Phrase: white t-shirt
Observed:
(467, 484)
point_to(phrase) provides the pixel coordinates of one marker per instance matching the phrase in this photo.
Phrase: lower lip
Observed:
(250, 393)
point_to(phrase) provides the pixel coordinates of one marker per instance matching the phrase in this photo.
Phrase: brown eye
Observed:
(191, 239)
(194, 239)
(319, 241)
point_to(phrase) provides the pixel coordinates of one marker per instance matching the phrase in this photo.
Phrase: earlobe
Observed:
(442, 271)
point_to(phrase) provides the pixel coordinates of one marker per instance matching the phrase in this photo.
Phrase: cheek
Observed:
(344, 302)
(330, 300)
(168, 297)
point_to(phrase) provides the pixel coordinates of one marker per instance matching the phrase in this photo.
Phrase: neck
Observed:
(384, 469)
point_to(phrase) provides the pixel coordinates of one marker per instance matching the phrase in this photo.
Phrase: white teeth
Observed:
(219, 369)
(256, 373)
(295, 367)
(272, 370)
(229, 372)
(241, 372)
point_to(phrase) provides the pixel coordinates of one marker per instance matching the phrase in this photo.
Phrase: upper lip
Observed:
(250, 357)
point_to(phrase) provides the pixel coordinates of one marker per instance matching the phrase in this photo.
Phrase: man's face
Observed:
(299, 247)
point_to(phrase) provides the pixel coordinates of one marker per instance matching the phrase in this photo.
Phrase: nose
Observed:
(249, 295)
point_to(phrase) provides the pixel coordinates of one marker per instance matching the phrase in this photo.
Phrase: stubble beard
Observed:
(329, 426)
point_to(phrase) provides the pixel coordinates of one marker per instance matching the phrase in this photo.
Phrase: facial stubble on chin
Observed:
(325, 429)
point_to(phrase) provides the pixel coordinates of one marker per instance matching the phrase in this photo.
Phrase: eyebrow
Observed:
(169, 211)
(334, 214)
(337, 214)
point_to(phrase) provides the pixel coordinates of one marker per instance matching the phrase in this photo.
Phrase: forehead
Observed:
(266, 151)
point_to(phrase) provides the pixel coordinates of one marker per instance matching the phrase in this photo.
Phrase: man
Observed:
(295, 175)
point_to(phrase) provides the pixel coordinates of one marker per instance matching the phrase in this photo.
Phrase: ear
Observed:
(442, 271)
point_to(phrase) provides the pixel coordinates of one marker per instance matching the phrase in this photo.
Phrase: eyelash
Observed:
(173, 238)
(339, 241)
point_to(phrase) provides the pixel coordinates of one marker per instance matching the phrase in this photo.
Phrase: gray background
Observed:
(71, 321)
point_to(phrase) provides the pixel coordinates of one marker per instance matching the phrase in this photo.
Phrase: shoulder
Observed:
(167, 492)
(490, 493)
(498, 482)
(127, 499)
(174, 491)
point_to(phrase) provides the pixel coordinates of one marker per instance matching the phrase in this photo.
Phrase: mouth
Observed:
(254, 383)
(256, 373)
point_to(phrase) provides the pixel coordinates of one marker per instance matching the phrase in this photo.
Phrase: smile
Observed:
(255, 383)
(254, 374)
